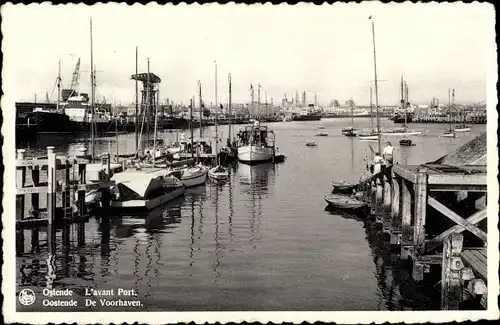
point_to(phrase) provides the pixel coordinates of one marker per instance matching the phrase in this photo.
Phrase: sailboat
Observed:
(404, 100)
(350, 131)
(372, 136)
(218, 172)
(194, 175)
(449, 133)
(462, 127)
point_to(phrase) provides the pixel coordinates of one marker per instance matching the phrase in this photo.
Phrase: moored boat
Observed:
(342, 187)
(311, 143)
(194, 176)
(344, 202)
(218, 173)
(462, 128)
(256, 144)
(145, 188)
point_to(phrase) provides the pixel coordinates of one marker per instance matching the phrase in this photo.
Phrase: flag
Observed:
(370, 17)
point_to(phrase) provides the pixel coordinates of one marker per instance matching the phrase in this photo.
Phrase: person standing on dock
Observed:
(377, 163)
(387, 154)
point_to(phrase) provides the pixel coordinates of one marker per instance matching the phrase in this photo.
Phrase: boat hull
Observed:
(255, 155)
(150, 203)
(195, 179)
(212, 174)
(368, 137)
(399, 134)
(449, 135)
(462, 130)
(344, 203)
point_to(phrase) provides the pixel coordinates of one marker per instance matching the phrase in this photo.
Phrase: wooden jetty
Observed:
(436, 215)
(54, 195)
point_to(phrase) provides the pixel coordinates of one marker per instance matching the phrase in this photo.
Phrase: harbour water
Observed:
(262, 241)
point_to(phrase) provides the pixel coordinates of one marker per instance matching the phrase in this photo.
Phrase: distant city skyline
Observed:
(325, 50)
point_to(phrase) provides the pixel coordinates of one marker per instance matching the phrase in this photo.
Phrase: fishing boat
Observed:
(256, 142)
(449, 133)
(350, 131)
(218, 172)
(344, 202)
(405, 142)
(145, 188)
(342, 187)
(311, 143)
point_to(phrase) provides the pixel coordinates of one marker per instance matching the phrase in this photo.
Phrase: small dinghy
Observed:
(462, 128)
(449, 134)
(321, 134)
(218, 173)
(344, 202)
(405, 142)
(342, 187)
(311, 143)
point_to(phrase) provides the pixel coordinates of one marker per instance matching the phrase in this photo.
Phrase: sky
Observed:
(327, 50)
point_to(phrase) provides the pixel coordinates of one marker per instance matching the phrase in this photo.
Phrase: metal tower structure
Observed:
(148, 98)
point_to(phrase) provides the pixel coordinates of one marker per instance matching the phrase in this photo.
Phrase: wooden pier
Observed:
(50, 192)
(436, 215)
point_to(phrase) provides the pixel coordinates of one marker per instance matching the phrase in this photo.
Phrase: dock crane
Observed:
(76, 79)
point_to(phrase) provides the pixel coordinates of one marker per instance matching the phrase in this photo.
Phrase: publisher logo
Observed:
(26, 297)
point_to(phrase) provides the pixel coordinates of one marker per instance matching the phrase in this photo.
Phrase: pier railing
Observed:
(436, 214)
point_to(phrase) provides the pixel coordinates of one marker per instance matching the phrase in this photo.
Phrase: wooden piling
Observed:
(395, 216)
(51, 185)
(451, 292)
(379, 201)
(373, 200)
(406, 228)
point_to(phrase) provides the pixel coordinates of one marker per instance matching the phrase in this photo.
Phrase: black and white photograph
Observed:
(249, 162)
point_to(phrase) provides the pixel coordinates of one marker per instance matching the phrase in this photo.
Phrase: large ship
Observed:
(308, 114)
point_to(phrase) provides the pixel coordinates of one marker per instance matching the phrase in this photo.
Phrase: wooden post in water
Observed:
(379, 200)
(51, 198)
(82, 171)
(406, 228)
(395, 216)
(451, 291)
(20, 199)
(420, 211)
(386, 221)
(66, 205)
(373, 201)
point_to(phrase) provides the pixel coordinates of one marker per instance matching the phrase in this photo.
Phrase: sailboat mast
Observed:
(58, 86)
(252, 95)
(449, 106)
(371, 108)
(406, 103)
(147, 106)
(376, 86)
(201, 111)
(116, 132)
(258, 102)
(92, 93)
(156, 123)
(136, 101)
(229, 77)
(352, 113)
(191, 126)
(216, 111)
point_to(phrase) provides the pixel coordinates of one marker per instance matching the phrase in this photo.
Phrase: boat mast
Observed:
(201, 111)
(58, 86)
(216, 110)
(116, 132)
(92, 93)
(148, 117)
(258, 102)
(136, 101)
(191, 126)
(156, 123)
(229, 108)
(449, 107)
(376, 84)
(252, 95)
(406, 103)
(371, 109)
(352, 113)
